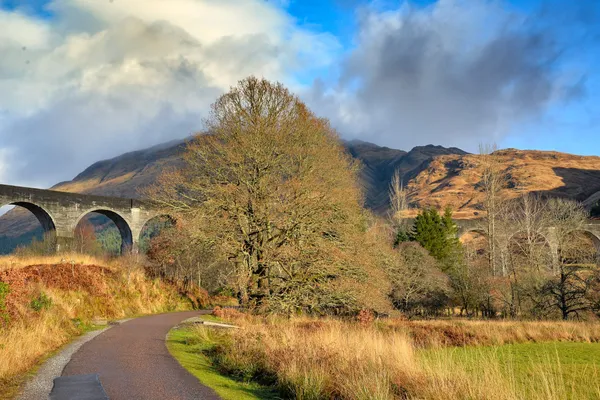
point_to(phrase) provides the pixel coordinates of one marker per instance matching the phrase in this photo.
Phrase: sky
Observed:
(86, 80)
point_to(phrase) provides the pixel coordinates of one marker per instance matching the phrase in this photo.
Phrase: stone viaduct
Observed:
(592, 229)
(60, 212)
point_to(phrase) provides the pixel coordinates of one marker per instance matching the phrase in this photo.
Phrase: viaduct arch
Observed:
(60, 212)
(591, 229)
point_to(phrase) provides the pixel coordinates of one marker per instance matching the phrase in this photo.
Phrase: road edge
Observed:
(40, 385)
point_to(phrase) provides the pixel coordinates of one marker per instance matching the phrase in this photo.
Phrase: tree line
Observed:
(269, 209)
(528, 257)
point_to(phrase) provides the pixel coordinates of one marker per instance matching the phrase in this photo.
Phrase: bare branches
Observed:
(274, 188)
(399, 198)
(493, 180)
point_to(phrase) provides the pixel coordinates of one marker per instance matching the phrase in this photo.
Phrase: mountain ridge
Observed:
(435, 176)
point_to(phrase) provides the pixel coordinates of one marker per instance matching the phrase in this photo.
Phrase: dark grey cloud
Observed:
(457, 72)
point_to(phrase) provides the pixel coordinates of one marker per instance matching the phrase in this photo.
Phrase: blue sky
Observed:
(38, 7)
(109, 77)
(571, 127)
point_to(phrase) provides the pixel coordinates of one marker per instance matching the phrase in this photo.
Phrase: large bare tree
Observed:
(493, 180)
(272, 187)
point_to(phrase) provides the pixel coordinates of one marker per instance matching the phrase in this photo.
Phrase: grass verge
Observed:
(326, 358)
(190, 350)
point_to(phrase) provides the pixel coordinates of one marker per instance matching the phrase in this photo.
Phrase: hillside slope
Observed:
(435, 175)
(453, 180)
(122, 176)
(379, 163)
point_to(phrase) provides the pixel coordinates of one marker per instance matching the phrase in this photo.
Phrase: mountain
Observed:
(379, 163)
(453, 180)
(435, 176)
(124, 175)
(377, 167)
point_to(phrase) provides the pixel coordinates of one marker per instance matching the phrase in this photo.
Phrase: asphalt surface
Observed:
(133, 362)
(39, 386)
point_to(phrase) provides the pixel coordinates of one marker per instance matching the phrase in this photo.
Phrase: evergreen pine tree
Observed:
(401, 236)
(437, 234)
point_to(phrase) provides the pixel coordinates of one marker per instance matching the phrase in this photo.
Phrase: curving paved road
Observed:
(133, 362)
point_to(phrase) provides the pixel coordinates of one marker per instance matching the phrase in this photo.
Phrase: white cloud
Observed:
(18, 30)
(100, 77)
(3, 165)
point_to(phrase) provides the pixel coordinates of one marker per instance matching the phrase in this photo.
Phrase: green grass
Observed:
(188, 350)
(571, 369)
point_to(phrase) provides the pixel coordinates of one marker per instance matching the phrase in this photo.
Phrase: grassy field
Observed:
(189, 350)
(305, 358)
(555, 369)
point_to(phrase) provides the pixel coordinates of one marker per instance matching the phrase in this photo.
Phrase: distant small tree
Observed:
(109, 240)
(470, 286)
(85, 239)
(399, 198)
(570, 290)
(418, 285)
(493, 180)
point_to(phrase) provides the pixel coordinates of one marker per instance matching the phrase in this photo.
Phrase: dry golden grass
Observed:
(442, 333)
(325, 359)
(12, 261)
(30, 335)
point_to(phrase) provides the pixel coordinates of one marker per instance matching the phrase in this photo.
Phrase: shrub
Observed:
(226, 313)
(4, 291)
(41, 302)
(365, 317)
